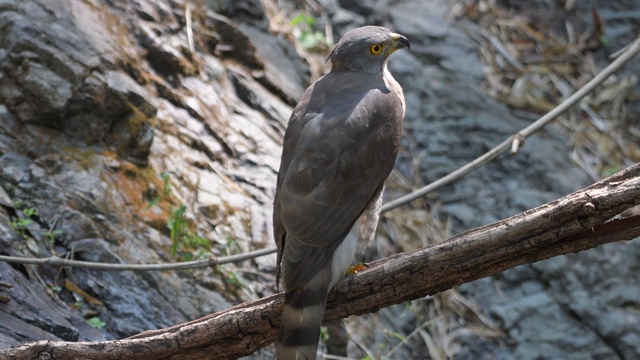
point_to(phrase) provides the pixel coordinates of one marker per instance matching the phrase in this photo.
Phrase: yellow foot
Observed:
(355, 269)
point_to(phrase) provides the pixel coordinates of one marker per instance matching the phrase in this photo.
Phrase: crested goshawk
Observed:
(340, 145)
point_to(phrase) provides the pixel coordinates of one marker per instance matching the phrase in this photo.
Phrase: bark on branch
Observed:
(574, 223)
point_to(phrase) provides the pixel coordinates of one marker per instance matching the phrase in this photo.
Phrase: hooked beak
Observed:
(400, 42)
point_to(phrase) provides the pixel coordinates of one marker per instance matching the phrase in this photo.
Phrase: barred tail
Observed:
(302, 318)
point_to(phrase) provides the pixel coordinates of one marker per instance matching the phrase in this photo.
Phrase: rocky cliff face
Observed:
(98, 98)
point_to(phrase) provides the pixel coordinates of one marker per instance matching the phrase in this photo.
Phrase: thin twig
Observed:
(471, 28)
(57, 261)
(405, 340)
(189, 28)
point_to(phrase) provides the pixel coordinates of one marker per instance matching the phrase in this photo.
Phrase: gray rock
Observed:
(126, 90)
(284, 70)
(31, 315)
(95, 250)
(342, 18)
(98, 90)
(52, 91)
(251, 9)
(420, 19)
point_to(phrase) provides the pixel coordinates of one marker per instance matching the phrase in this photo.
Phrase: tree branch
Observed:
(574, 223)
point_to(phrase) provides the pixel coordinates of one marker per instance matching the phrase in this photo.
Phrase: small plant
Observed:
(176, 224)
(185, 242)
(324, 334)
(306, 36)
(96, 322)
(610, 170)
(166, 190)
(231, 247)
(29, 212)
(233, 278)
(20, 224)
(51, 235)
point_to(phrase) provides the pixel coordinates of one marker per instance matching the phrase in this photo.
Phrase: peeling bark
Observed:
(574, 223)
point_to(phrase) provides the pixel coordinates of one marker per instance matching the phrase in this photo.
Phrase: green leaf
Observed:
(395, 334)
(51, 235)
(310, 40)
(202, 242)
(302, 18)
(181, 210)
(153, 202)
(324, 333)
(30, 212)
(166, 186)
(174, 249)
(610, 170)
(96, 322)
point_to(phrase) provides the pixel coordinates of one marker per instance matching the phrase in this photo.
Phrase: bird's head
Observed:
(366, 49)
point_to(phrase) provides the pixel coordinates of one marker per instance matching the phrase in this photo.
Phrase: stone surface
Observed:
(82, 105)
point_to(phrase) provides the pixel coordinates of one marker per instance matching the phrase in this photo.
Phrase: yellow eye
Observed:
(375, 49)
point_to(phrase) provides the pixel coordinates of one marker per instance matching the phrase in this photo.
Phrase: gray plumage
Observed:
(340, 145)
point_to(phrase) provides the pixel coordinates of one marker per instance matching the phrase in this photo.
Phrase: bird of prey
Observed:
(340, 145)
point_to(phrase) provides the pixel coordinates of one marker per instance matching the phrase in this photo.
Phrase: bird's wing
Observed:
(340, 146)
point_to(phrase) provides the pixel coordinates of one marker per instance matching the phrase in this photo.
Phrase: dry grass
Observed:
(532, 69)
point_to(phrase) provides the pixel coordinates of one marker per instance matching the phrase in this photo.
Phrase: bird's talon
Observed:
(355, 269)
